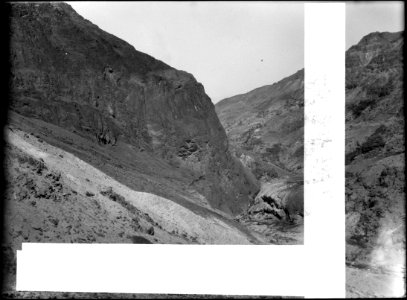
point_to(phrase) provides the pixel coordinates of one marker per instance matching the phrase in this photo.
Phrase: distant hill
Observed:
(265, 127)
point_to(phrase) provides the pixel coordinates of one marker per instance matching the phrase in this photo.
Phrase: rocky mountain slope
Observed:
(68, 72)
(375, 162)
(57, 195)
(265, 129)
(375, 167)
(107, 144)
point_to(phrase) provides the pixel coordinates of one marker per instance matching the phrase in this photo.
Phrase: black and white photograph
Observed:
(375, 156)
(184, 123)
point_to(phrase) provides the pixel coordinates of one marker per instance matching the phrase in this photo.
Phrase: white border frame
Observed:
(324, 166)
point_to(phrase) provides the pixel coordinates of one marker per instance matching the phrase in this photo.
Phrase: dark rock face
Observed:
(68, 72)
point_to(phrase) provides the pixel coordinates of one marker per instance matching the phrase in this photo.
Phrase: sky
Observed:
(364, 17)
(230, 47)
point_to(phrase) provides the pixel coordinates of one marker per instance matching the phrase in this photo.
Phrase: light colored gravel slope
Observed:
(169, 216)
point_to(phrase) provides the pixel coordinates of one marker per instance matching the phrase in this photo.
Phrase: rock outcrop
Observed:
(280, 199)
(68, 72)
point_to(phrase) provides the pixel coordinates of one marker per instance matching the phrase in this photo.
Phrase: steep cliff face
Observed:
(68, 72)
